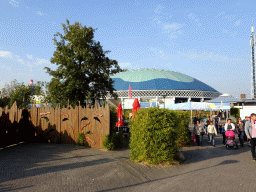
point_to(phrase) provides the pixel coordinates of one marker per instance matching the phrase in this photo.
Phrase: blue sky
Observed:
(208, 40)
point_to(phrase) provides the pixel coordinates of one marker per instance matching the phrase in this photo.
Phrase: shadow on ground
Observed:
(34, 159)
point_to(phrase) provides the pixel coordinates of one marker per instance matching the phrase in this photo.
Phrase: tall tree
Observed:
(9, 88)
(22, 96)
(83, 68)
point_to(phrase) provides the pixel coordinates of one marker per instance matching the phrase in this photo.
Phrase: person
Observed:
(240, 131)
(208, 123)
(249, 140)
(229, 126)
(223, 134)
(245, 119)
(195, 119)
(199, 132)
(225, 114)
(212, 132)
(220, 128)
(217, 123)
(250, 130)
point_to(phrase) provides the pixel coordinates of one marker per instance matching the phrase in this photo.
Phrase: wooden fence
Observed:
(62, 125)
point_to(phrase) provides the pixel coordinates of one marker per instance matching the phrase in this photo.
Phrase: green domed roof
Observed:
(157, 79)
(140, 75)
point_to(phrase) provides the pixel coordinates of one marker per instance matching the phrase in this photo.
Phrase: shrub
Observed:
(126, 113)
(113, 141)
(184, 136)
(80, 139)
(234, 112)
(156, 135)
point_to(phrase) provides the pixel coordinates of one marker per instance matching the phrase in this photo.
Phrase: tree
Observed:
(83, 68)
(21, 95)
(9, 88)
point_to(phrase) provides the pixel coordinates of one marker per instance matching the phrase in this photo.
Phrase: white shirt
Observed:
(232, 125)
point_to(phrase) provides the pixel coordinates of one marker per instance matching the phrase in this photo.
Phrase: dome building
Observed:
(154, 87)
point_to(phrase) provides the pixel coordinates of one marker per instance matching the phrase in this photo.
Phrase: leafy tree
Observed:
(21, 95)
(4, 101)
(83, 68)
(9, 88)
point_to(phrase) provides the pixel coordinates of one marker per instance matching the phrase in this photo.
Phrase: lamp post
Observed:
(164, 99)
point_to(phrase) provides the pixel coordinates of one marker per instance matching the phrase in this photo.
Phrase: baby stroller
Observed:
(230, 143)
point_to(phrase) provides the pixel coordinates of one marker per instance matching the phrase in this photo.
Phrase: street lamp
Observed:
(164, 99)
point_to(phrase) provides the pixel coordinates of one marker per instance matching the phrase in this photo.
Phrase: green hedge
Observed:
(156, 135)
(235, 112)
(113, 141)
(184, 137)
(80, 139)
(126, 113)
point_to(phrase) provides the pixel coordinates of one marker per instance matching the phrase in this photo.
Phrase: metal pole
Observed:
(253, 64)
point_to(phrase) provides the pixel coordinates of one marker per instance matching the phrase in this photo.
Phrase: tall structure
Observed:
(253, 93)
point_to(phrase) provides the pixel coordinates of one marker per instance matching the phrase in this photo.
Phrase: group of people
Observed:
(200, 129)
(246, 130)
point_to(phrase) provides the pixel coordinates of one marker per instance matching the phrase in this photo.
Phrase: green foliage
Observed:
(113, 141)
(113, 120)
(126, 113)
(156, 135)
(80, 139)
(21, 95)
(83, 71)
(184, 138)
(9, 88)
(234, 112)
(38, 90)
(4, 101)
(108, 142)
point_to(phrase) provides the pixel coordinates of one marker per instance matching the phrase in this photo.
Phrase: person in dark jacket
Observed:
(199, 131)
(240, 130)
(223, 134)
(250, 130)
(195, 119)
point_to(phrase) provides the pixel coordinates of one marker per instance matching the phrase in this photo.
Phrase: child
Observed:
(212, 133)
(223, 134)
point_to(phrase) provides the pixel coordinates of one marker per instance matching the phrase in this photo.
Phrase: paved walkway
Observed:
(52, 167)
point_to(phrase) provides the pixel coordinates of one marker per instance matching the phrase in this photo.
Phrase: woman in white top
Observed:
(212, 132)
(229, 126)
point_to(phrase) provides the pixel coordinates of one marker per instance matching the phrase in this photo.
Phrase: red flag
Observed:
(130, 92)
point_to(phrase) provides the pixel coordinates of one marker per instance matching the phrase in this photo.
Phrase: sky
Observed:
(207, 40)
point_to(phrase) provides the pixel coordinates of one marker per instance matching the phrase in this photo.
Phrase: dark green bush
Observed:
(113, 141)
(234, 112)
(80, 139)
(156, 135)
(126, 113)
(184, 138)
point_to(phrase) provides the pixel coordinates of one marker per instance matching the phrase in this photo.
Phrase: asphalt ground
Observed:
(62, 167)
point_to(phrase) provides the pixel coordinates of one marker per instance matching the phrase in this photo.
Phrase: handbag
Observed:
(194, 138)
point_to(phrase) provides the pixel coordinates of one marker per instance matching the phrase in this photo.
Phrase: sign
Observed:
(128, 103)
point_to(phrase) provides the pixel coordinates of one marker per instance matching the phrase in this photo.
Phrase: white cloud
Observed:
(41, 62)
(40, 13)
(20, 60)
(237, 23)
(207, 56)
(5, 54)
(14, 3)
(158, 9)
(127, 64)
(172, 27)
(30, 56)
